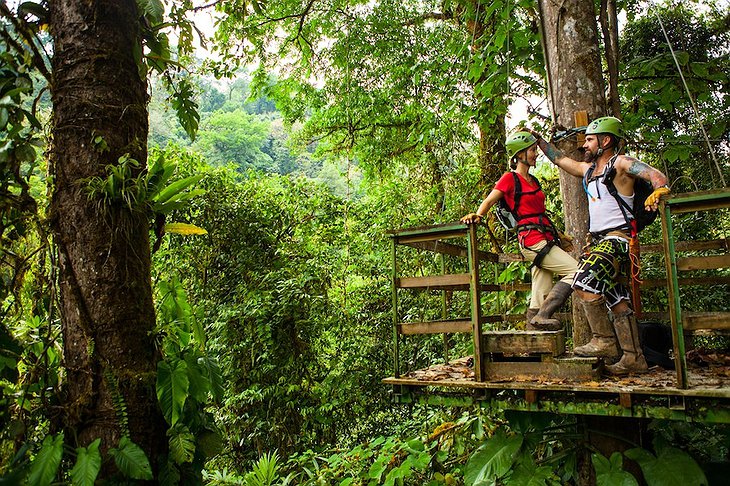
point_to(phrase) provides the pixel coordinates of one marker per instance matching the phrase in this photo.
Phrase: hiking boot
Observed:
(627, 332)
(544, 321)
(603, 340)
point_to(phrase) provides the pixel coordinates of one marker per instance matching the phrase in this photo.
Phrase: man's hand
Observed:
(534, 133)
(652, 202)
(471, 218)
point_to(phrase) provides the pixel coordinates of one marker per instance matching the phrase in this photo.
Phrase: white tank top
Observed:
(603, 209)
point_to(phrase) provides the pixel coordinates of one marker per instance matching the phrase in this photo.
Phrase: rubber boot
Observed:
(627, 332)
(603, 340)
(531, 312)
(544, 321)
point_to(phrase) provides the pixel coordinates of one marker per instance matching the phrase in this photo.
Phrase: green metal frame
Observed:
(677, 204)
(685, 409)
(437, 233)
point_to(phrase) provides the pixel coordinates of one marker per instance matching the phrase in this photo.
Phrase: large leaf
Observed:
(172, 388)
(214, 375)
(672, 467)
(46, 462)
(492, 460)
(198, 378)
(131, 460)
(611, 473)
(88, 464)
(528, 474)
(182, 444)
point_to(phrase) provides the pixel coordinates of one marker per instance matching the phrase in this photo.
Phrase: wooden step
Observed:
(535, 343)
(565, 368)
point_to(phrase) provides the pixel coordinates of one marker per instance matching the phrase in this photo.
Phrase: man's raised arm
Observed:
(558, 158)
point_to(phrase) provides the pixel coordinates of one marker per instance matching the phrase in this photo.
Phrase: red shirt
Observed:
(532, 201)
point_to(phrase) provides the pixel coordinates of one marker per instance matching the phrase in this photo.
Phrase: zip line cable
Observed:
(691, 99)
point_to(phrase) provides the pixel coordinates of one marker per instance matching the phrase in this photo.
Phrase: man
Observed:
(611, 228)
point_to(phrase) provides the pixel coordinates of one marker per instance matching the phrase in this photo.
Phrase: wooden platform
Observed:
(650, 395)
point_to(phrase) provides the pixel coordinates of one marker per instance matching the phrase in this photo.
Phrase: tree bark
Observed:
(107, 312)
(574, 68)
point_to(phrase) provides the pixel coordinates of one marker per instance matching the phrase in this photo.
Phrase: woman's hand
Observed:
(471, 218)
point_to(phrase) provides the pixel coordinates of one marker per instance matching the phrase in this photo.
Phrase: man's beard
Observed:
(589, 156)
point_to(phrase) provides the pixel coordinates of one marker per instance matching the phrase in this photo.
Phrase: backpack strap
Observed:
(626, 210)
(609, 172)
(518, 195)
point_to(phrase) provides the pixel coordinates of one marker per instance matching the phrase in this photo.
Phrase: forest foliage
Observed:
(274, 324)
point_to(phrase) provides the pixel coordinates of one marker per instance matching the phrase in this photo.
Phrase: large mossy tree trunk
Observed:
(573, 66)
(107, 314)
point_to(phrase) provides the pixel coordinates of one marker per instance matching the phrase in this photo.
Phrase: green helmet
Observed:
(519, 141)
(606, 124)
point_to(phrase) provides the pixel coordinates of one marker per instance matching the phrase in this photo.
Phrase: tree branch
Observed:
(21, 29)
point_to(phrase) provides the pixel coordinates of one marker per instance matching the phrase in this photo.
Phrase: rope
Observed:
(691, 99)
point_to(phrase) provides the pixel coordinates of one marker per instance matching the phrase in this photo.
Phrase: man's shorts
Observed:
(599, 270)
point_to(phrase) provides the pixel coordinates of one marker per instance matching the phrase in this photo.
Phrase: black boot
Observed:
(544, 321)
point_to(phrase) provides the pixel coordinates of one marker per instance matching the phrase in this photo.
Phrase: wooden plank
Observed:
(625, 399)
(703, 262)
(524, 342)
(455, 281)
(606, 387)
(721, 244)
(706, 320)
(476, 305)
(438, 246)
(435, 327)
(531, 396)
(536, 370)
(698, 201)
(686, 281)
(434, 228)
(510, 257)
(581, 120)
(515, 287)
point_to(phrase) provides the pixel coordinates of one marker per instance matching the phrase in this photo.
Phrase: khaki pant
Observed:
(556, 262)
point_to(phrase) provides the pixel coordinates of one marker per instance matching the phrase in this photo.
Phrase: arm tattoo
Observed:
(646, 172)
(550, 151)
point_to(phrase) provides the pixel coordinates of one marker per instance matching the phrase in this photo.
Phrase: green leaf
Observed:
(46, 462)
(172, 388)
(199, 383)
(154, 10)
(214, 375)
(672, 467)
(493, 459)
(682, 57)
(182, 444)
(131, 460)
(176, 188)
(611, 473)
(528, 474)
(88, 464)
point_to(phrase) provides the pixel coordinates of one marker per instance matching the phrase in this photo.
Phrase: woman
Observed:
(537, 237)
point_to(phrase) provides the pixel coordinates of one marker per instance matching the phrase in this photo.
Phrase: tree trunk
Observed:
(574, 69)
(107, 312)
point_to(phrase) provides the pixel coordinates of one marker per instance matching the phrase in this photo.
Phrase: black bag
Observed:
(656, 343)
(642, 190)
